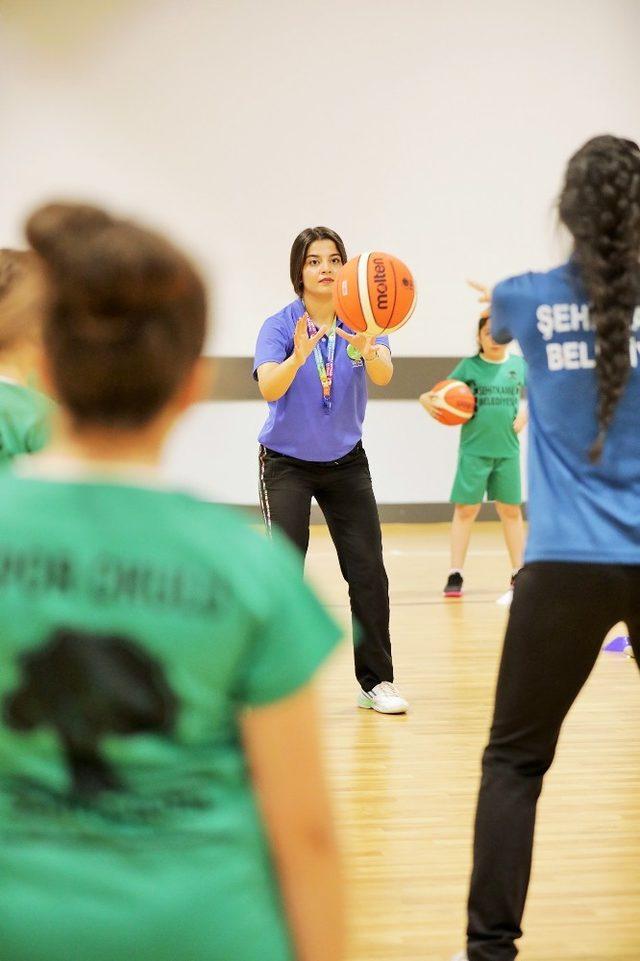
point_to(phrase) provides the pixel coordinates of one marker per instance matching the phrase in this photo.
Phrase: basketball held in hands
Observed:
(374, 294)
(453, 401)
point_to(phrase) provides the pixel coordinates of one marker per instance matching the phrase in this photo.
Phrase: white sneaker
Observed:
(460, 956)
(503, 601)
(384, 698)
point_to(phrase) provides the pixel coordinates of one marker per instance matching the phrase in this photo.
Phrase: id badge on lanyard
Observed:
(325, 370)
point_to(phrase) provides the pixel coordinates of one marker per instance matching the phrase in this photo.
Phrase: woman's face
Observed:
(321, 266)
(488, 346)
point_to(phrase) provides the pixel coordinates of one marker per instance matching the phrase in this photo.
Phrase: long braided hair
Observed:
(600, 205)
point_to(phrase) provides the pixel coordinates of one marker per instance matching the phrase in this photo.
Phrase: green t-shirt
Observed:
(497, 388)
(136, 624)
(24, 420)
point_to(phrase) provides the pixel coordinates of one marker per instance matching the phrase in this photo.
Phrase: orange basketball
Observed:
(374, 293)
(455, 402)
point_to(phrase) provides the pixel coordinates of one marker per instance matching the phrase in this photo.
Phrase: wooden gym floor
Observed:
(405, 786)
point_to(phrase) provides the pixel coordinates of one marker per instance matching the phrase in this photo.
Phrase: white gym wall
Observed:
(435, 129)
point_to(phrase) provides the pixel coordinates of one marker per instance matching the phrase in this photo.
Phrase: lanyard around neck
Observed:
(325, 371)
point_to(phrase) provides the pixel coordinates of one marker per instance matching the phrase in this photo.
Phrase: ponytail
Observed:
(600, 205)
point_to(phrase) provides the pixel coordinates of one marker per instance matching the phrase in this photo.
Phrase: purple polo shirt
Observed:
(298, 424)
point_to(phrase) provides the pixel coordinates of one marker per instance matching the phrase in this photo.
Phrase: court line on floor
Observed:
(420, 552)
(444, 603)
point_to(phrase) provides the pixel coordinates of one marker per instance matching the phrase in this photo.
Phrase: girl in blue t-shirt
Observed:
(313, 373)
(577, 327)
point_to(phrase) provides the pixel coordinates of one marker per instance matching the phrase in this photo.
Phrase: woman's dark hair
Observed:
(600, 205)
(300, 247)
(126, 317)
(482, 323)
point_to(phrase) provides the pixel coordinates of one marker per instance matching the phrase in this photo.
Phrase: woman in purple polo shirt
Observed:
(311, 370)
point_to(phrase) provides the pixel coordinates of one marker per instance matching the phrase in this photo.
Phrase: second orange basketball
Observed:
(374, 293)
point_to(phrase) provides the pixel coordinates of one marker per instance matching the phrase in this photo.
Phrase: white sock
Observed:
(455, 570)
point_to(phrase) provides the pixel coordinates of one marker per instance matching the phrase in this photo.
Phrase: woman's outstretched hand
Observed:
(362, 343)
(303, 344)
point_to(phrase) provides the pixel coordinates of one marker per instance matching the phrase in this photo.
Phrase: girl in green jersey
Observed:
(25, 413)
(161, 792)
(489, 454)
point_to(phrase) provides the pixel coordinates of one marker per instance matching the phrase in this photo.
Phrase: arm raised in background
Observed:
(484, 298)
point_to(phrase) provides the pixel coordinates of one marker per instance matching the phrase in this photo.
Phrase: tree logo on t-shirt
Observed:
(86, 687)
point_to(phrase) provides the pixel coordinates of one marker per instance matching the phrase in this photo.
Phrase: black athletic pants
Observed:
(559, 617)
(345, 496)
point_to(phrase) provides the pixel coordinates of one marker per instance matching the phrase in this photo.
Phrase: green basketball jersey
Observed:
(136, 625)
(24, 420)
(497, 388)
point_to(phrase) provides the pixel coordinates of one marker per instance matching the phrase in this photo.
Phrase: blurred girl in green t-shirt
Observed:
(25, 413)
(489, 453)
(161, 790)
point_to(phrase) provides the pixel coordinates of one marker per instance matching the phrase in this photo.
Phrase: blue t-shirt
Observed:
(298, 424)
(578, 511)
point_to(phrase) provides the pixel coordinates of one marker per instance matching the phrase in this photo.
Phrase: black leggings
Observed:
(344, 494)
(559, 617)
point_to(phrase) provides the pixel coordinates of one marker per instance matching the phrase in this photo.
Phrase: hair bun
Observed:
(105, 266)
(52, 227)
(125, 317)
